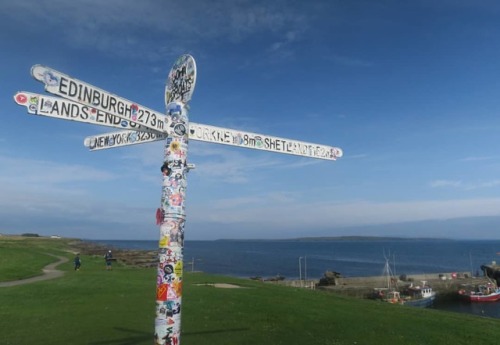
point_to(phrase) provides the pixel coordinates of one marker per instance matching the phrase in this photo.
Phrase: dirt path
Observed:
(49, 272)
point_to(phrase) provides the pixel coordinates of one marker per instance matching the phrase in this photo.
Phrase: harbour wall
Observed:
(446, 285)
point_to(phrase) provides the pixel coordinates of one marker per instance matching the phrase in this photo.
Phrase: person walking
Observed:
(78, 262)
(108, 257)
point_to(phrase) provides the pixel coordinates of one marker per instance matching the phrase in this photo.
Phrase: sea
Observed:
(358, 257)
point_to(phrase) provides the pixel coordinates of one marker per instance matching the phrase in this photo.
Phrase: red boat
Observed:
(483, 293)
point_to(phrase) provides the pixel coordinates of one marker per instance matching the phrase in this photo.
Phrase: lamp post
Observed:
(300, 268)
(192, 263)
(305, 269)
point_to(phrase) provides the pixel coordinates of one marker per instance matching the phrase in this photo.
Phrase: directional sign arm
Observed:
(223, 136)
(121, 138)
(60, 108)
(73, 89)
(262, 142)
(136, 134)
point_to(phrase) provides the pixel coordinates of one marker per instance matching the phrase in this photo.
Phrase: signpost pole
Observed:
(171, 216)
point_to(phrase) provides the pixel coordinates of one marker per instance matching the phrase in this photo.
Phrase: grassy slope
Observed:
(24, 257)
(94, 306)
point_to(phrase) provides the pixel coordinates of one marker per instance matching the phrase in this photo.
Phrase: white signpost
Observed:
(219, 135)
(86, 103)
(60, 108)
(62, 85)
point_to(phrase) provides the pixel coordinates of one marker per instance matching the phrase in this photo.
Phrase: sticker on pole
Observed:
(181, 80)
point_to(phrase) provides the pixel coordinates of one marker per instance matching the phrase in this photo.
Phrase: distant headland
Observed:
(345, 238)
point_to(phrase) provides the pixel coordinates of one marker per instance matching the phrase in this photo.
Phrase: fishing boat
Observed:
(389, 296)
(412, 295)
(488, 292)
(389, 293)
(418, 296)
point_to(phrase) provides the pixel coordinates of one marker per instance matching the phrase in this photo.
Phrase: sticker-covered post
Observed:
(171, 216)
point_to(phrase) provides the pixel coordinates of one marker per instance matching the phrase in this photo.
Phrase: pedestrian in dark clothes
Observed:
(78, 262)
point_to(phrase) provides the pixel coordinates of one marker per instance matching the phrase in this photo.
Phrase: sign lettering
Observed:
(64, 86)
(262, 142)
(68, 110)
(121, 138)
(223, 136)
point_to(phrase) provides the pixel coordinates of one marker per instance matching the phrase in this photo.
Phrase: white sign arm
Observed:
(121, 138)
(262, 142)
(62, 85)
(223, 136)
(60, 108)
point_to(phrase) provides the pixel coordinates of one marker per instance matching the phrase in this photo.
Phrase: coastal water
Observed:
(351, 258)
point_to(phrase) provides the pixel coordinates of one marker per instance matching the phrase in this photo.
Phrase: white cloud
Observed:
(350, 61)
(474, 159)
(286, 215)
(36, 187)
(283, 48)
(480, 185)
(358, 156)
(117, 26)
(27, 202)
(464, 186)
(23, 171)
(445, 183)
(47, 197)
(231, 165)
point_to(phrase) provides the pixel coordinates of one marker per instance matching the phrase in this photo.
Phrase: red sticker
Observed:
(161, 292)
(21, 98)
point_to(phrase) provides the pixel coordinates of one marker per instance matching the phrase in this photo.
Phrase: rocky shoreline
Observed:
(129, 257)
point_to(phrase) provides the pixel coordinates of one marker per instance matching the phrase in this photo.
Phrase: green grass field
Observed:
(97, 307)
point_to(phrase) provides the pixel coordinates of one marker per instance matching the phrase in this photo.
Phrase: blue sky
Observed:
(409, 91)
